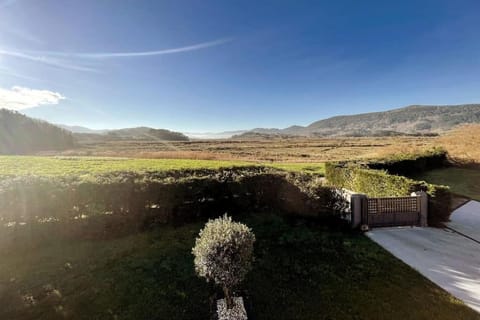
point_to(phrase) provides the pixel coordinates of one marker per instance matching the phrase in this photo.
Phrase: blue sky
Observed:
(203, 66)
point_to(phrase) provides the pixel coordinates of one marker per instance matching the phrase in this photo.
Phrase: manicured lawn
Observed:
(302, 271)
(84, 166)
(462, 181)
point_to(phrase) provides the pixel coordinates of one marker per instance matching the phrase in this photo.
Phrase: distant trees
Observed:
(139, 133)
(167, 135)
(20, 134)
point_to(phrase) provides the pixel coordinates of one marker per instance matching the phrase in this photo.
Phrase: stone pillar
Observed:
(356, 209)
(423, 207)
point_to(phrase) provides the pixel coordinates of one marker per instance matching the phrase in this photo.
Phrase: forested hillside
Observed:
(412, 119)
(415, 119)
(20, 134)
(139, 133)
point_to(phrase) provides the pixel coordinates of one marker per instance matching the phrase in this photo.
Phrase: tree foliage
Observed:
(224, 253)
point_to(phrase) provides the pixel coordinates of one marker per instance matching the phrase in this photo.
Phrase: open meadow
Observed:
(99, 256)
(461, 143)
(266, 150)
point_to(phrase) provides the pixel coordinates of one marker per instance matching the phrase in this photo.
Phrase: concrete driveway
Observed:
(449, 257)
(466, 220)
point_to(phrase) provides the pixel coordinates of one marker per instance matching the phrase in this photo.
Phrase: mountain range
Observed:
(21, 134)
(415, 119)
(411, 120)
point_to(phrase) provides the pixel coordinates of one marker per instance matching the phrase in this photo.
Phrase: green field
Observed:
(302, 271)
(84, 166)
(462, 181)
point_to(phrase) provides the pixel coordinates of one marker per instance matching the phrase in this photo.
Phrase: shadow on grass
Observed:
(303, 270)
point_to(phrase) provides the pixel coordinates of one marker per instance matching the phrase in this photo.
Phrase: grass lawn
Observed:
(462, 181)
(302, 271)
(78, 166)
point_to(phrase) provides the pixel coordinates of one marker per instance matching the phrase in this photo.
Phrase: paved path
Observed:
(466, 220)
(446, 257)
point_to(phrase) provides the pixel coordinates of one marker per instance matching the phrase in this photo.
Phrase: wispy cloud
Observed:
(19, 98)
(106, 55)
(78, 61)
(46, 60)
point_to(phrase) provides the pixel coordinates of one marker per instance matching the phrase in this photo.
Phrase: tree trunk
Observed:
(228, 298)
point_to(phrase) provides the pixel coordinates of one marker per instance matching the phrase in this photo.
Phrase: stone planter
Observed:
(238, 311)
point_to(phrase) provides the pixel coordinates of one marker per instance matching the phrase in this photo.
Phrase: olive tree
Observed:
(224, 254)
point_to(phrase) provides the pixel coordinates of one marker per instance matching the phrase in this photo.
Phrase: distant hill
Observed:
(265, 135)
(80, 129)
(214, 135)
(139, 133)
(413, 120)
(145, 133)
(20, 134)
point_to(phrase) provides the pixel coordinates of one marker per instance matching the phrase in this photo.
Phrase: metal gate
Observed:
(388, 212)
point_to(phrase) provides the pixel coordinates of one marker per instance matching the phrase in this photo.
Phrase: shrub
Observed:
(439, 205)
(224, 254)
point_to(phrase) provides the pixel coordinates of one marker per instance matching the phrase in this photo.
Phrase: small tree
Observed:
(224, 254)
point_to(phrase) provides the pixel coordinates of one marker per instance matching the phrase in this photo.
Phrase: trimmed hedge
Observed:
(413, 164)
(126, 201)
(378, 183)
(374, 183)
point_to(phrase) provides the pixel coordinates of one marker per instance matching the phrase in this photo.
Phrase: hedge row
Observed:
(138, 201)
(379, 183)
(412, 164)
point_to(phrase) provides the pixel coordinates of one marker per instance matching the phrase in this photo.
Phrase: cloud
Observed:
(46, 60)
(19, 98)
(106, 55)
(80, 61)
